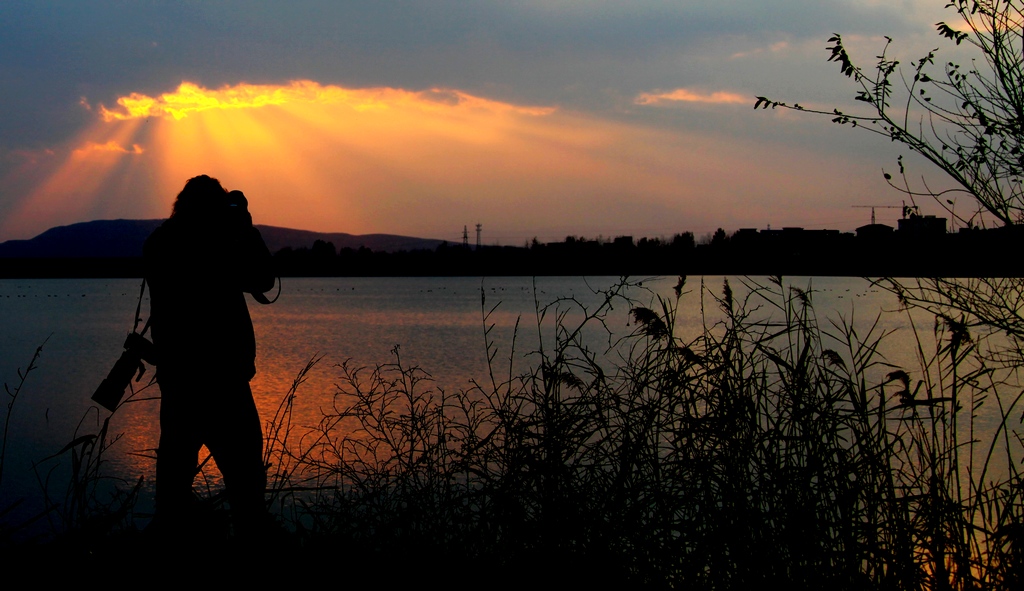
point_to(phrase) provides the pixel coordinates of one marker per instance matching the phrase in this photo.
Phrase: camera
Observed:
(238, 215)
(136, 350)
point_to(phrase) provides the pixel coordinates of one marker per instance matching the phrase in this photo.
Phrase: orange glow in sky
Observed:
(190, 98)
(421, 163)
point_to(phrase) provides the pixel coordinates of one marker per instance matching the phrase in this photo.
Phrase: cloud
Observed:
(536, 48)
(191, 98)
(691, 96)
(111, 146)
(773, 48)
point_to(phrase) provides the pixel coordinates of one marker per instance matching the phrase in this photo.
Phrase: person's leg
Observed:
(235, 438)
(176, 457)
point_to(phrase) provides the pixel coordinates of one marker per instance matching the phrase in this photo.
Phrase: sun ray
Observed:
(74, 190)
(328, 158)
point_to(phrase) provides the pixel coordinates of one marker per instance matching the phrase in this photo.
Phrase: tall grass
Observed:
(7, 528)
(81, 503)
(770, 448)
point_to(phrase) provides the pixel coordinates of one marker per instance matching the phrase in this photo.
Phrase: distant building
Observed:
(874, 231)
(926, 225)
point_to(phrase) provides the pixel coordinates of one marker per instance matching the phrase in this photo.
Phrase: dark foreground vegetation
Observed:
(771, 449)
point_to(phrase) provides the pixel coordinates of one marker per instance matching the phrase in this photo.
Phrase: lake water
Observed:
(437, 323)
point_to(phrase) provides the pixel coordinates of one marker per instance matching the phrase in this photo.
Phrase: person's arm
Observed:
(256, 269)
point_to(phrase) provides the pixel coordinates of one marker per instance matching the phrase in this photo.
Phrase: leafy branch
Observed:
(967, 121)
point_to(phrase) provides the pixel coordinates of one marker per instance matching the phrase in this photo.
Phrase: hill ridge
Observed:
(123, 238)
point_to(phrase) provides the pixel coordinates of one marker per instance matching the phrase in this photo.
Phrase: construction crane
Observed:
(904, 208)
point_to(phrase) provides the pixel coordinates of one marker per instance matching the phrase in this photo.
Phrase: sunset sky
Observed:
(538, 118)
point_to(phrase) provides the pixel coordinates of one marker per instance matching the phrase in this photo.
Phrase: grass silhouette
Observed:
(770, 448)
(767, 449)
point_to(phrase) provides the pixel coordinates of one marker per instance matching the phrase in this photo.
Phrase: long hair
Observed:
(201, 197)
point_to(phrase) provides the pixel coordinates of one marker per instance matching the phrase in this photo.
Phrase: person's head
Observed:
(202, 198)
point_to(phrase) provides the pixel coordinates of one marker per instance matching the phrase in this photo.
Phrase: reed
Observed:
(7, 528)
(83, 504)
(768, 449)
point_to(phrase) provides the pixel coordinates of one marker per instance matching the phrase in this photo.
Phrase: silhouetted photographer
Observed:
(199, 265)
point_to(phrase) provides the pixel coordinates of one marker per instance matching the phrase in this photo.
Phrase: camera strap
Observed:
(138, 311)
(261, 298)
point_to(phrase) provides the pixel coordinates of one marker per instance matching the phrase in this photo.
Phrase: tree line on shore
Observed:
(790, 251)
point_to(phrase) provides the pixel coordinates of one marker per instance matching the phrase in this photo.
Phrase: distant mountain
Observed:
(278, 238)
(99, 239)
(124, 239)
